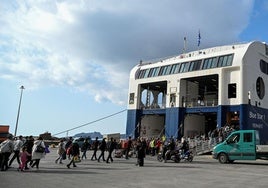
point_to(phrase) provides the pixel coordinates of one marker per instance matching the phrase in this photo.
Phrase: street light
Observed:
(18, 115)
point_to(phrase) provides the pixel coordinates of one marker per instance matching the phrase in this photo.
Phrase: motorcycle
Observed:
(186, 156)
(173, 155)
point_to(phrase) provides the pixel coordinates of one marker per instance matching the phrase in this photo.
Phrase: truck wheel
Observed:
(223, 158)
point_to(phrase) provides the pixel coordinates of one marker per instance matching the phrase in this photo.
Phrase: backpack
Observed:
(69, 150)
(4, 147)
(84, 146)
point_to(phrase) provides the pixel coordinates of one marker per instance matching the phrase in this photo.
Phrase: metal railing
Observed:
(203, 146)
(201, 103)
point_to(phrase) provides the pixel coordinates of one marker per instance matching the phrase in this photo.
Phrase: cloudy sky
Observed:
(74, 57)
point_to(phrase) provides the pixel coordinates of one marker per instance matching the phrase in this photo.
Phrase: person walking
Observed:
(152, 147)
(141, 147)
(112, 146)
(36, 154)
(75, 154)
(6, 150)
(129, 146)
(84, 148)
(60, 151)
(103, 147)
(96, 144)
(17, 147)
(29, 148)
(68, 146)
(23, 158)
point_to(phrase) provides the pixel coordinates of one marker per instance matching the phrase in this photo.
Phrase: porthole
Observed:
(260, 88)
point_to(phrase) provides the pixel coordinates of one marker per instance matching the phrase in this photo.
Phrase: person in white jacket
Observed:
(6, 148)
(17, 147)
(37, 156)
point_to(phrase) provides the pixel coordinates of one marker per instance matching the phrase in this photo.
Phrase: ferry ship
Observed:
(199, 91)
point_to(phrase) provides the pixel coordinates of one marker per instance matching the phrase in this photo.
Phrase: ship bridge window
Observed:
(167, 70)
(175, 69)
(213, 62)
(141, 74)
(155, 71)
(210, 63)
(264, 66)
(184, 67)
(225, 60)
(137, 73)
(146, 73)
(195, 65)
(150, 72)
(162, 70)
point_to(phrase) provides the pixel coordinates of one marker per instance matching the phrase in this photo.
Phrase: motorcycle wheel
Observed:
(177, 160)
(160, 158)
(190, 158)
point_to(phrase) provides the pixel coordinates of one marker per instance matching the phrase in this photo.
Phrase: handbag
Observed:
(40, 149)
(77, 159)
(63, 155)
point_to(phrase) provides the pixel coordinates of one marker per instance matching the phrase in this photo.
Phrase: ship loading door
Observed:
(152, 126)
(198, 124)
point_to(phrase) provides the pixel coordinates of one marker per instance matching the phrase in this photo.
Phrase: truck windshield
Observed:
(234, 138)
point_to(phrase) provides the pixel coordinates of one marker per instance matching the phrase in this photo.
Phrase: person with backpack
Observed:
(6, 148)
(37, 154)
(75, 153)
(68, 146)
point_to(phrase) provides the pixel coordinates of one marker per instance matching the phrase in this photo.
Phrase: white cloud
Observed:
(91, 45)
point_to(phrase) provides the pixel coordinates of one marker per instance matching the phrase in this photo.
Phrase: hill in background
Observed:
(93, 135)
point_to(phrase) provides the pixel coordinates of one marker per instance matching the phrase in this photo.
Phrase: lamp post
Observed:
(18, 115)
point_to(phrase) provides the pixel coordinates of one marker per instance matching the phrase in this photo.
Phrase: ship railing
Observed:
(200, 103)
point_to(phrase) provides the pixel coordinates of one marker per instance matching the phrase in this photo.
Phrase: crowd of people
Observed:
(71, 149)
(26, 151)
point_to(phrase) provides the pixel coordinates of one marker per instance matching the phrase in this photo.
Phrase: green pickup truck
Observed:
(240, 145)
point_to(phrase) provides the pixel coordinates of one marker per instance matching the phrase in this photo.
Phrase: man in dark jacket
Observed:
(75, 153)
(84, 148)
(102, 148)
(171, 147)
(141, 147)
(29, 148)
(111, 148)
(96, 144)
